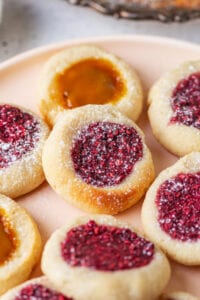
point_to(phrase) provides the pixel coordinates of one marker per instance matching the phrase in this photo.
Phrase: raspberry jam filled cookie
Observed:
(174, 110)
(20, 245)
(22, 137)
(88, 75)
(35, 289)
(170, 213)
(101, 258)
(96, 159)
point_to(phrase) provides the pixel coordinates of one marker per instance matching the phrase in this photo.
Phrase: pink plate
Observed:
(151, 57)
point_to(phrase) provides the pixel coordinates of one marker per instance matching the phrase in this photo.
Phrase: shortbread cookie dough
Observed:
(174, 110)
(20, 244)
(101, 258)
(96, 159)
(170, 212)
(179, 296)
(22, 137)
(87, 74)
(36, 289)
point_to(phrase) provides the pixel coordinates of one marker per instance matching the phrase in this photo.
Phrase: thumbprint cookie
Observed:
(22, 137)
(36, 289)
(174, 110)
(87, 74)
(96, 159)
(20, 244)
(101, 258)
(179, 296)
(171, 210)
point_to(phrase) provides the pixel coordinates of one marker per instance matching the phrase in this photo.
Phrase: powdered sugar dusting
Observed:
(19, 132)
(104, 153)
(178, 201)
(185, 102)
(192, 162)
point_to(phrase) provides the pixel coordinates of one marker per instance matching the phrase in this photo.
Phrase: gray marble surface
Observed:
(30, 23)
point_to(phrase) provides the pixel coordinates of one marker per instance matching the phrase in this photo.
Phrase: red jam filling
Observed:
(178, 202)
(39, 292)
(19, 132)
(185, 102)
(104, 153)
(106, 248)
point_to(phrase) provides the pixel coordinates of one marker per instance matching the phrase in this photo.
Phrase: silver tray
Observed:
(162, 10)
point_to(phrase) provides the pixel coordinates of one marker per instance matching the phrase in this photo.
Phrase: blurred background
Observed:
(31, 23)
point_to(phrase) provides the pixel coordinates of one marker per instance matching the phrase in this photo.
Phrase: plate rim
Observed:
(100, 39)
(24, 57)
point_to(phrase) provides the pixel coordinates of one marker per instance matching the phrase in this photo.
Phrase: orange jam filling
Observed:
(91, 81)
(8, 241)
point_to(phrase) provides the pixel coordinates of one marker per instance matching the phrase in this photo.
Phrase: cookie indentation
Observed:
(8, 239)
(90, 81)
(178, 202)
(19, 132)
(39, 292)
(106, 248)
(185, 102)
(105, 153)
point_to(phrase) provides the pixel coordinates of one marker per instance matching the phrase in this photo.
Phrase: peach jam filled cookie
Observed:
(88, 75)
(96, 159)
(179, 296)
(101, 258)
(171, 210)
(22, 137)
(20, 244)
(174, 110)
(36, 289)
